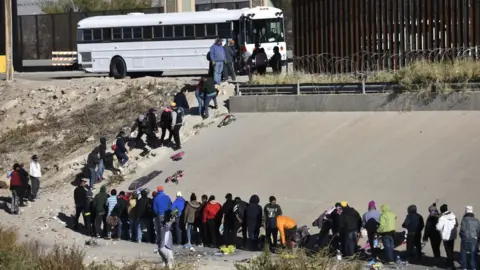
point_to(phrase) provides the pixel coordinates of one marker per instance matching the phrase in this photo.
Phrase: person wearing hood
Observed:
(350, 225)
(240, 212)
(217, 55)
(181, 100)
(447, 226)
(100, 204)
(371, 221)
(120, 149)
(161, 207)
(201, 224)
(386, 230)
(102, 151)
(177, 210)
(191, 210)
(431, 232)
(120, 214)
(270, 212)
(414, 225)
(209, 216)
(90, 213)
(254, 221)
(469, 232)
(35, 176)
(144, 215)
(92, 162)
(228, 221)
(165, 124)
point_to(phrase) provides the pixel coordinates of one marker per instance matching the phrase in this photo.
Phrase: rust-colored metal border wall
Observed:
(382, 32)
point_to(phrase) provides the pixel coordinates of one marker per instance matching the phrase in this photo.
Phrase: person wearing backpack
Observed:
(447, 226)
(177, 122)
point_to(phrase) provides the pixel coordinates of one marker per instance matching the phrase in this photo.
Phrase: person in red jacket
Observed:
(16, 186)
(209, 216)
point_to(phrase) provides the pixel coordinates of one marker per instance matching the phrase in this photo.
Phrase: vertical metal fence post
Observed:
(298, 88)
(363, 85)
(237, 90)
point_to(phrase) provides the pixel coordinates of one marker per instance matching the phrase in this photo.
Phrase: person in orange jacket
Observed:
(287, 227)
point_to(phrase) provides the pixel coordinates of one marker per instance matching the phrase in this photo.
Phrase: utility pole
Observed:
(8, 39)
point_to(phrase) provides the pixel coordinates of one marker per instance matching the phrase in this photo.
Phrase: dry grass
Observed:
(31, 256)
(420, 73)
(299, 260)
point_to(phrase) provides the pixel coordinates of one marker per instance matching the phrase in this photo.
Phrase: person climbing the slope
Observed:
(287, 227)
(92, 162)
(121, 150)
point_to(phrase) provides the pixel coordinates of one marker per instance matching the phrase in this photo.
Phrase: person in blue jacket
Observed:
(217, 56)
(161, 206)
(177, 210)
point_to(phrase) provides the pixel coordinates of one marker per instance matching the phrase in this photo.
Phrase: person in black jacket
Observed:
(181, 100)
(81, 203)
(120, 149)
(144, 214)
(414, 225)
(24, 177)
(350, 224)
(276, 61)
(240, 211)
(102, 151)
(431, 234)
(200, 224)
(92, 162)
(271, 211)
(228, 220)
(254, 222)
(151, 126)
(120, 212)
(166, 124)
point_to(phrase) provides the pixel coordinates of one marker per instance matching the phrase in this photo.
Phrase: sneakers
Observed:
(187, 246)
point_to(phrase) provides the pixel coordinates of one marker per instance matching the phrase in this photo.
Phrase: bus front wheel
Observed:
(118, 69)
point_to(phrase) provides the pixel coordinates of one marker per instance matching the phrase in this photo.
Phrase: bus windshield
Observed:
(265, 31)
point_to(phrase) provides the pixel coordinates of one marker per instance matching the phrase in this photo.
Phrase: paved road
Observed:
(309, 161)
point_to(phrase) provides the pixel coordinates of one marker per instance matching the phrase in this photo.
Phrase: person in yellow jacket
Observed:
(386, 230)
(287, 227)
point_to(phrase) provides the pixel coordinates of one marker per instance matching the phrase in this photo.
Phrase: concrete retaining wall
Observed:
(349, 103)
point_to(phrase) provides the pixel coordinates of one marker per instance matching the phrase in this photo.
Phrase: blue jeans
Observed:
(389, 247)
(189, 233)
(93, 175)
(218, 71)
(135, 230)
(119, 228)
(200, 101)
(208, 98)
(101, 169)
(122, 158)
(468, 246)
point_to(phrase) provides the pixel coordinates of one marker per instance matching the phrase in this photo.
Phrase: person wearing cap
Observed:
(161, 207)
(447, 226)
(371, 221)
(217, 55)
(431, 234)
(177, 210)
(35, 175)
(469, 232)
(177, 123)
(350, 226)
(386, 230)
(271, 211)
(230, 56)
(81, 203)
(414, 225)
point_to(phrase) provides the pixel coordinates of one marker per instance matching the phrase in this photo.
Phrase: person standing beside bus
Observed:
(217, 54)
(230, 55)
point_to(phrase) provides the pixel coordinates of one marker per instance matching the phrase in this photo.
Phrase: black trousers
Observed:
(212, 232)
(176, 136)
(242, 226)
(35, 186)
(414, 240)
(290, 236)
(229, 234)
(99, 219)
(435, 244)
(80, 210)
(371, 237)
(449, 252)
(272, 233)
(170, 133)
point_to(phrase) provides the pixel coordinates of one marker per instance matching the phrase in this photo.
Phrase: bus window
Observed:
(97, 34)
(179, 31)
(189, 30)
(211, 30)
(157, 32)
(127, 33)
(265, 30)
(147, 32)
(224, 30)
(200, 30)
(137, 32)
(168, 31)
(117, 33)
(107, 34)
(87, 34)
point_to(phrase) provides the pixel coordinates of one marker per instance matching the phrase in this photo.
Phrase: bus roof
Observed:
(141, 19)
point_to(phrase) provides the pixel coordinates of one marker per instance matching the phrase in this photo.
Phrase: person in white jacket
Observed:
(447, 226)
(35, 175)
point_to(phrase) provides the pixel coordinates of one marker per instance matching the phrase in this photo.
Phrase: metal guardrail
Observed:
(327, 88)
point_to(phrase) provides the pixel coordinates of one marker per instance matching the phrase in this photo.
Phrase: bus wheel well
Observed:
(118, 67)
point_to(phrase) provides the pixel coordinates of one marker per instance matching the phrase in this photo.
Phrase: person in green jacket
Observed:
(386, 230)
(210, 92)
(100, 204)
